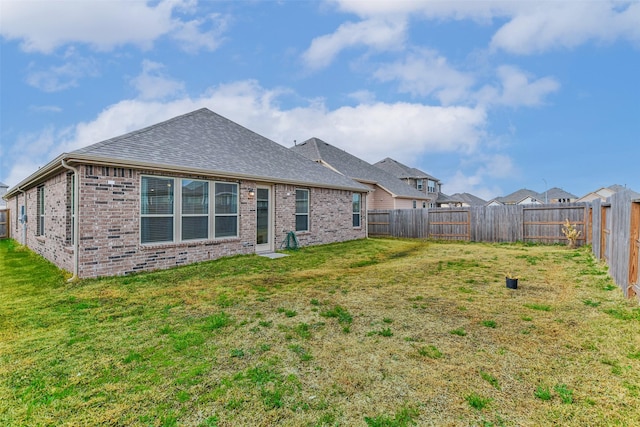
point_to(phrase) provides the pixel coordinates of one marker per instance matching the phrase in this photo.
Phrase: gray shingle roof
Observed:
(350, 165)
(558, 193)
(402, 171)
(204, 140)
(519, 195)
(2, 184)
(469, 199)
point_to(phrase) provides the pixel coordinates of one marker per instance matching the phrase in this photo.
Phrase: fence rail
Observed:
(482, 224)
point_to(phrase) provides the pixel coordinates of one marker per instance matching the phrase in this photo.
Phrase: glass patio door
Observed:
(264, 240)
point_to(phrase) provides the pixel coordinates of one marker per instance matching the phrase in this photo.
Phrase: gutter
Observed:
(76, 222)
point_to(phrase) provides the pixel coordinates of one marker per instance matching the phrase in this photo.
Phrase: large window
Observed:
(195, 209)
(226, 210)
(157, 210)
(182, 210)
(302, 210)
(431, 186)
(356, 209)
(40, 207)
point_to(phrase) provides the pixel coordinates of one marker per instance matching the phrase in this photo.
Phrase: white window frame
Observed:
(41, 211)
(298, 214)
(212, 208)
(198, 215)
(356, 213)
(420, 184)
(177, 214)
(172, 215)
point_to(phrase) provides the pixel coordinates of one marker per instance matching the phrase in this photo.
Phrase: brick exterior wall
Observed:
(109, 223)
(55, 244)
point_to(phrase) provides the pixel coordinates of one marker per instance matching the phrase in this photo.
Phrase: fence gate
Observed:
(4, 223)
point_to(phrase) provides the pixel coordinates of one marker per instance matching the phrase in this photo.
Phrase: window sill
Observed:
(164, 245)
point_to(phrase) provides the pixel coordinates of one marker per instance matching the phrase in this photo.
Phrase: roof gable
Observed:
(355, 168)
(519, 195)
(402, 171)
(559, 193)
(204, 140)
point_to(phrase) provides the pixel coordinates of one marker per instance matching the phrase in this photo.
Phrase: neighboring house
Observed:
(421, 181)
(387, 192)
(558, 195)
(467, 199)
(527, 197)
(521, 197)
(602, 193)
(189, 189)
(446, 201)
(3, 190)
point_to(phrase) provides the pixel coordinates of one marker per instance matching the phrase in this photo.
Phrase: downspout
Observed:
(24, 222)
(76, 222)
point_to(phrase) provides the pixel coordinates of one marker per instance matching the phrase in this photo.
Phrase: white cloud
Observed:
(363, 96)
(370, 131)
(152, 83)
(193, 38)
(431, 9)
(378, 34)
(531, 27)
(477, 174)
(61, 77)
(517, 88)
(426, 73)
(45, 108)
(43, 26)
(551, 25)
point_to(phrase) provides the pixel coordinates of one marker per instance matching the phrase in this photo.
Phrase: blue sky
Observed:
(489, 97)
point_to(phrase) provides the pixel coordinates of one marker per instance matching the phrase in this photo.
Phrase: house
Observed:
(525, 196)
(3, 190)
(602, 193)
(446, 201)
(466, 200)
(520, 197)
(415, 178)
(558, 195)
(189, 189)
(387, 192)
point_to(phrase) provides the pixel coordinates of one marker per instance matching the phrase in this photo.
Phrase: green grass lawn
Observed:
(374, 332)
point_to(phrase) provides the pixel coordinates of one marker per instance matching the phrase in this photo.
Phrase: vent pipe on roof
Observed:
(76, 220)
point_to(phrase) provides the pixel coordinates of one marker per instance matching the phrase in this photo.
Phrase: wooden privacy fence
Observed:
(410, 223)
(616, 238)
(4, 223)
(509, 223)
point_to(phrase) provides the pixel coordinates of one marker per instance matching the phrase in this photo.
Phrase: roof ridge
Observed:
(140, 131)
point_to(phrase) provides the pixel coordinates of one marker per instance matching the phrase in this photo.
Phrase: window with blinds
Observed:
(174, 209)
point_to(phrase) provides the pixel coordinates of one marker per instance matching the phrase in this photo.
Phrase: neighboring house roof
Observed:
(205, 142)
(402, 171)
(518, 196)
(2, 184)
(469, 199)
(558, 193)
(355, 168)
(444, 198)
(602, 193)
